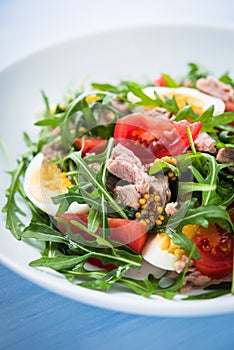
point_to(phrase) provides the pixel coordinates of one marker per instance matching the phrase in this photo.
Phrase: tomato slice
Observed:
(123, 232)
(91, 144)
(216, 251)
(158, 135)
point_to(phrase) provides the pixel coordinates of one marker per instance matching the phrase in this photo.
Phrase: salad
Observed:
(131, 184)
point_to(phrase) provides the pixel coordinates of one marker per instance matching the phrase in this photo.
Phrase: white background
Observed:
(29, 25)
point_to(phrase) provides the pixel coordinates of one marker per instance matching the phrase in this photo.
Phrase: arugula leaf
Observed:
(195, 73)
(66, 199)
(43, 233)
(186, 113)
(170, 82)
(90, 175)
(100, 240)
(189, 187)
(225, 137)
(226, 79)
(182, 240)
(213, 168)
(11, 208)
(210, 122)
(47, 105)
(169, 104)
(105, 87)
(208, 295)
(106, 281)
(163, 165)
(202, 216)
(60, 262)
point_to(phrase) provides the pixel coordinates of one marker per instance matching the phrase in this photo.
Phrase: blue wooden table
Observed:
(33, 318)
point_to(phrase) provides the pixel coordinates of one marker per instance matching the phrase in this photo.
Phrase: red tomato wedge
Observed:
(124, 232)
(127, 232)
(91, 145)
(216, 250)
(151, 137)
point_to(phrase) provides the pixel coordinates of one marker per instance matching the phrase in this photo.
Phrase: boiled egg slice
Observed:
(155, 255)
(161, 252)
(196, 99)
(44, 180)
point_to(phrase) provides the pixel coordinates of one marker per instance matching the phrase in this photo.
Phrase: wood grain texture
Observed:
(33, 318)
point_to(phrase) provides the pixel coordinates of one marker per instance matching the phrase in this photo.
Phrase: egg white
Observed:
(153, 254)
(207, 100)
(46, 204)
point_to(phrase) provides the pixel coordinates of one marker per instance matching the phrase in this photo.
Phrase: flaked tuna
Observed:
(205, 143)
(216, 88)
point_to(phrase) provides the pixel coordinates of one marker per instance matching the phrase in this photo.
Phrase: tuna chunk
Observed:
(225, 155)
(126, 166)
(127, 195)
(122, 152)
(205, 143)
(158, 111)
(170, 208)
(216, 88)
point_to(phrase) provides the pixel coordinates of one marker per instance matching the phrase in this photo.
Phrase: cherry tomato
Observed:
(158, 135)
(229, 107)
(123, 232)
(216, 251)
(91, 144)
(160, 81)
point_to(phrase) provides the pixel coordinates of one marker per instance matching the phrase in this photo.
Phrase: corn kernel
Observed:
(142, 201)
(160, 210)
(146, 195)
(143, 222)
(82, 129)
(178, 253)
(170, 173)
(90, 99)
(157, 198)
(161, 217)
(62, 107)
(137, 215)
(158, 222)
(170, 160)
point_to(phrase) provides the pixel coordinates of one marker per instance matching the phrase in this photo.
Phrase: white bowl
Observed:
(134, 54)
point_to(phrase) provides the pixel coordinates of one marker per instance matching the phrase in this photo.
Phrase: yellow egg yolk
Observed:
(48, 181)
(196, 104)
